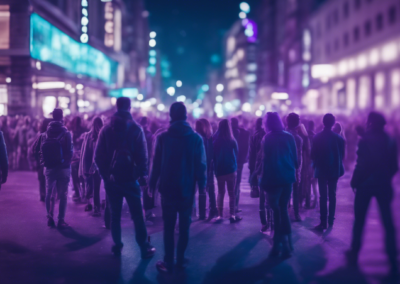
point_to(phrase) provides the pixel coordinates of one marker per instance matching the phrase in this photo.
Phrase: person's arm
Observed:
(201, 166)
(3, 159)
(252, 155)
(156, 165)
(141, 157)
(100, 154)
(293, 148)
(235, 149)
(36, 147)
(361, 168)
(299, 146)
(69, 146)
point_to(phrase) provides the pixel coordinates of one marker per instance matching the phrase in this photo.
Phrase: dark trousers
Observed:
(148, 202)
(361, 204)
(237, 185)
(42, 182)
(171, 208)
(210, 189)
(76, 181)
(327, 186)
(296, 197)
(278, 200)
(116, 193)
(92, 185)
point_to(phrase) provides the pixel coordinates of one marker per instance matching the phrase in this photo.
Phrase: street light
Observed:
(205, 88)
(242, 15)
(152, 43)
(220, 87)
(161, 107)
(179, 83)
(245, 7)
(140, 97)
(153, 35)
(219, 99)
(171, 91)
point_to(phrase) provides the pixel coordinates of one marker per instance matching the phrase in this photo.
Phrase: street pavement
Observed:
(30, 252)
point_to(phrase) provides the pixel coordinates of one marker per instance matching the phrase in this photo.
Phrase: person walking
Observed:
(225, 166)
(377, 163)
(55, 150)
(121, 157)
(78, 182)
(313, 181)
(179, 164)
(293, 121)
(254, 151)
(242, 137)
(3, 160)
(88, 168)
(277, 176)
(327, 153)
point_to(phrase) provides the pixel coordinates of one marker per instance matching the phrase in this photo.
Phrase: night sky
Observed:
(190, 32)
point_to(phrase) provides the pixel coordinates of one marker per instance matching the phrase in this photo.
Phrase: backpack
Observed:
(122, 163)
(52, 152)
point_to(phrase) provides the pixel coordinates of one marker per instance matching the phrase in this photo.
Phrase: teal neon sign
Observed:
(49, 44)
(126, 92)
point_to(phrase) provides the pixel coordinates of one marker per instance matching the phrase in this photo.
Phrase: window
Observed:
(392, 15)
(356, 34)
(357, 4)
(379, 22)
(346, 39)
(367, 28)
(4, 27)
(346, 10)
(336, 44)
(327, 49)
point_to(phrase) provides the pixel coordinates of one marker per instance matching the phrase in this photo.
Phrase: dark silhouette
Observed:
(377, 163)
(121, 157)
(78, 182)
(179, 163)
(55, 150)
(3, 160)
(278, 173)
(327, 154)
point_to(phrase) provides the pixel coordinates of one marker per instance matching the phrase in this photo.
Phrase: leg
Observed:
(230, 184)
(273, 195)
(283, 208)
(332, 186)
(75, 179)
(296, 197)
(202, 206)
(96, 191)
(89, 186)
(42, 183)
(136, 209)
(211, 192)
(262, 208)
(115, 199)
(107, 214)
(237, 184)
(221, 195)
(169, 217)
(323, 199)
(185, 219)
(51, 188)
(361, 204)
(62, 186)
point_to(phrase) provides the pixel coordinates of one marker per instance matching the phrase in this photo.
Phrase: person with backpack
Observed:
(179, 164)
(55, 150)
(121, 157)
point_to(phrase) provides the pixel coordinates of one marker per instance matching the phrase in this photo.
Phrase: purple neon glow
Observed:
(251, 30)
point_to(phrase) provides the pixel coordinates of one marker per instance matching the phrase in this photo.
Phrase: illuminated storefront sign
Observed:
(49, 44)
(84, 21)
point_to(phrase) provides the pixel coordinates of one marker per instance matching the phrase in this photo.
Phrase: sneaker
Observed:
(219, 219)
(62, 225)
(162, 267)
(117, 249)
(321, 226)
(212, 214)
(235, 219)
(89, 207)
(51, 223)
(148, 251)
(264, 228)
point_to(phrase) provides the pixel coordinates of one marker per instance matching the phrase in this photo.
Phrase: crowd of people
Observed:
(289, 158)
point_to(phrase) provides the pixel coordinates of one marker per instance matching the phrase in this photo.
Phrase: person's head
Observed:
(376, 121)
(224, 130)
(329, 120)
(293, 120)
(96, 127)
(123, 104)
(258, 123)
(207, 127)
(234, 122)
(311, 125)
(143, 121)
(58, 114)
(337, 128)
(273, 122)
(177, 112)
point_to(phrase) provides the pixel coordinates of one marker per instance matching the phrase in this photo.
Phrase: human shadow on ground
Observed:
(138, 275)
(12, 247)
(342, 275)
(311, 262)
(80, 241)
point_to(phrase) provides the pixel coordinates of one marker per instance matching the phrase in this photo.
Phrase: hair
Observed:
(224, 130)
(234, 122)
(258, 124)
(293, 120)
(329, 120)
(207, 128)
(123, 104)
(376, 121)
(178, 111)
(96, 127)
(58, 114)
(273, 122)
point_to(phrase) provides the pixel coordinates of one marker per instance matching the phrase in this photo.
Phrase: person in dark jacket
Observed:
(277, 175)
(3, 160)
(121, 157)
(78, 182)
(203, 127)
(242, 137)
(179, 164)
(377, 163)
(88, 169)
(57, 177)
(293, 121)
(254, 151)
(327, 154)
(225, 166)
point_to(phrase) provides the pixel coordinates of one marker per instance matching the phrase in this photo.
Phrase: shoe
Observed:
(162, 267)
(150, 216)
(297, 218)
(89, 207)
(148, 251)
(212, 214)
(117, 249)
(219, 219)
(62, 225)
(235, 219)
(321, 226)
(50, 222)
(264, 228)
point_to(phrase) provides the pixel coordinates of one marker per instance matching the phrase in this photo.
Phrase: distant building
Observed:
(355, 57)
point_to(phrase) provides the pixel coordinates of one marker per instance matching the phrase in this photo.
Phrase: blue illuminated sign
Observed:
(49, 44)
(126, 92)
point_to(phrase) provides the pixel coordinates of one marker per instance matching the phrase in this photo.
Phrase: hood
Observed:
(119, 120)
(55, 128)
(180, 128)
